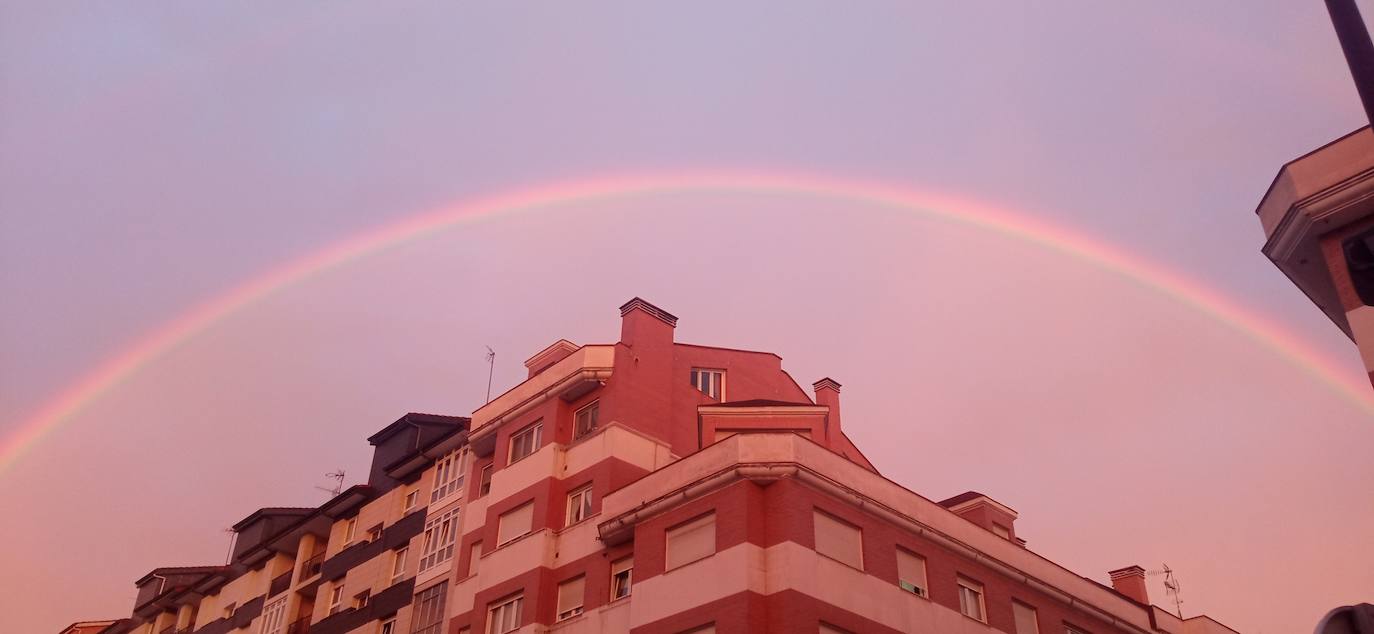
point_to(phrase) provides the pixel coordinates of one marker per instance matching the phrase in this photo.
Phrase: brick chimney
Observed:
(1130, 581)
(828, 394)
(644, 365)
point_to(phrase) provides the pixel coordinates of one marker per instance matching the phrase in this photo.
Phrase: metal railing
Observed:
(280, 584)
(311, 567)
(299, 626)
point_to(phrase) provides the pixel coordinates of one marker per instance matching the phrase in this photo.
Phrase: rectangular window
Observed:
(622, 573)
(570, 598)
(398, 564)
(1069, 629)
(360, 599)
(911, 573)
(388, 627)
(374, 533)
(515, 523)
(971, 599)
(484, 484)
(579, 505)
(474, 557)
(336, 599)
(505, 616)
(448, 474)
(350, 530)
(412, 498)
(428, 614)
(1024, 617)
(839, 540)
(440, 533)
(273, 617)
(585, 420)
(710, 382)
(526, 441)
(691, 541)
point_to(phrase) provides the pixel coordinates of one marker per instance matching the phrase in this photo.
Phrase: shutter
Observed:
(515, 523)
(839, 540)
(570, 595)
(912, 570)
(1024, 616)
(691, 541)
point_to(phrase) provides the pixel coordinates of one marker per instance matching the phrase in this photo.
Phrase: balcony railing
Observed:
(311, 567)
(280, 584)
(300, 626)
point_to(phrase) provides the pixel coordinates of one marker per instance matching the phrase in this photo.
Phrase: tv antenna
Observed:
(1172, 586)
(338, 477)
(491, 367)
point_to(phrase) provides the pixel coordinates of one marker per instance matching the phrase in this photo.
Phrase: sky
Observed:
(155, 157)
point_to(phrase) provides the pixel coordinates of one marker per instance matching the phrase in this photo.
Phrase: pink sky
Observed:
(152, 160)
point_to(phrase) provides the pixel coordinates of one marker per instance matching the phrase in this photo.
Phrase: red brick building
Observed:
(644, 486)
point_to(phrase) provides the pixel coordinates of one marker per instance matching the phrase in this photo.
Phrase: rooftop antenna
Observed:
(1172, 587)
(491, 367)
(338, 477)
(1358, 49)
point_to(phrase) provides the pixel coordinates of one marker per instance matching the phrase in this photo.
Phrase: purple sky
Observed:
(155, 156)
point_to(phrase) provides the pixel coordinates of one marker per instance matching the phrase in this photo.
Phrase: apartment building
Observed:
(645, 486)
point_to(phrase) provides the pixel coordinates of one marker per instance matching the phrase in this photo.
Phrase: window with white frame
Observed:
(710, 382)
(412, 498)
(360, 600)
(273, 617)
(398, 563)
(971, 599)
(336, 599)
(622, 573)
(570, 594)
(350, 530)
(428, 614)
(526, 441)
(585, 420)
(484, 481)
(374, 533)
(1024, 617)
(838, 539)
(389, 627)
(439, 535)
(911, 573)
(579, 505)
(514, 523)
(474, 557)
(691, 541)
(448, 474)
(504, 616)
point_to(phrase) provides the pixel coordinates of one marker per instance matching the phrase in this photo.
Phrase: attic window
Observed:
(710, 382)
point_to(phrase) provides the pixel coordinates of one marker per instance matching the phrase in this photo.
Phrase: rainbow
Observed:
(110, 373)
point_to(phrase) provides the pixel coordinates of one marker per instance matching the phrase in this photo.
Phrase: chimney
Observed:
(1130, 581)
(828, 394)
(642, 322)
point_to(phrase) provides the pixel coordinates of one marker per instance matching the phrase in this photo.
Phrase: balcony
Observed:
(280, 584)
(299, 626)
(311, 567)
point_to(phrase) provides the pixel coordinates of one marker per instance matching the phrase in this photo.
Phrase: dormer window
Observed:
(710, 382)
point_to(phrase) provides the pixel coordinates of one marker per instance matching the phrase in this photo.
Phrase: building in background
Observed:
(644, 486)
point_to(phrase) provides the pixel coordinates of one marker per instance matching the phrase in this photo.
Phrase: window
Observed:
(505, 616)
(388, 626)
(428, 614)
(440, 533)
(570, 598)
(374, 533)
(360, 599)
(710, 382)
(579, 505)
(474, 556)
(336, 599)
(839, 540)
(1069, 629)
(514, 523)
(484, 484)
(412, 498)
(911, 573)
(398, 564)
(827, 628)
(622, 573)
(691, 541)
(448, 474)
(350, 530)
(1024, 617)
(709, 628)
(1001, 531)
(971, 599)
(584, 421)
(273, 617)
(526, 441)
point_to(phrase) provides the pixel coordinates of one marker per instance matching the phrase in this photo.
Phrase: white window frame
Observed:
(388, 627)
(430, 602)
(411, 500)
(350, 530)
(534, 432)
(273, 619)
(575, 610)
(628, 571)
(508, 609)
(502, 540)
(593, 412)
(440, 534)
(398, 563)
(701, 379)
(360, 600)
(484, 479)
(449, 472)
(969, 586)
(336, 599)
(1034, 617)
(579, 505)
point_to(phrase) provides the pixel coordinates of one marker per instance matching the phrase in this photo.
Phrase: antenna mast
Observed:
(338, 477)
(491, 368)
(1173, 587)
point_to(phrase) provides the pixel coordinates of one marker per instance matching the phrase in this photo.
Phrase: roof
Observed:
(697, 345)
(761, 402)
(178, 570)
(417, 418)
(961, 498)
(289, 511)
